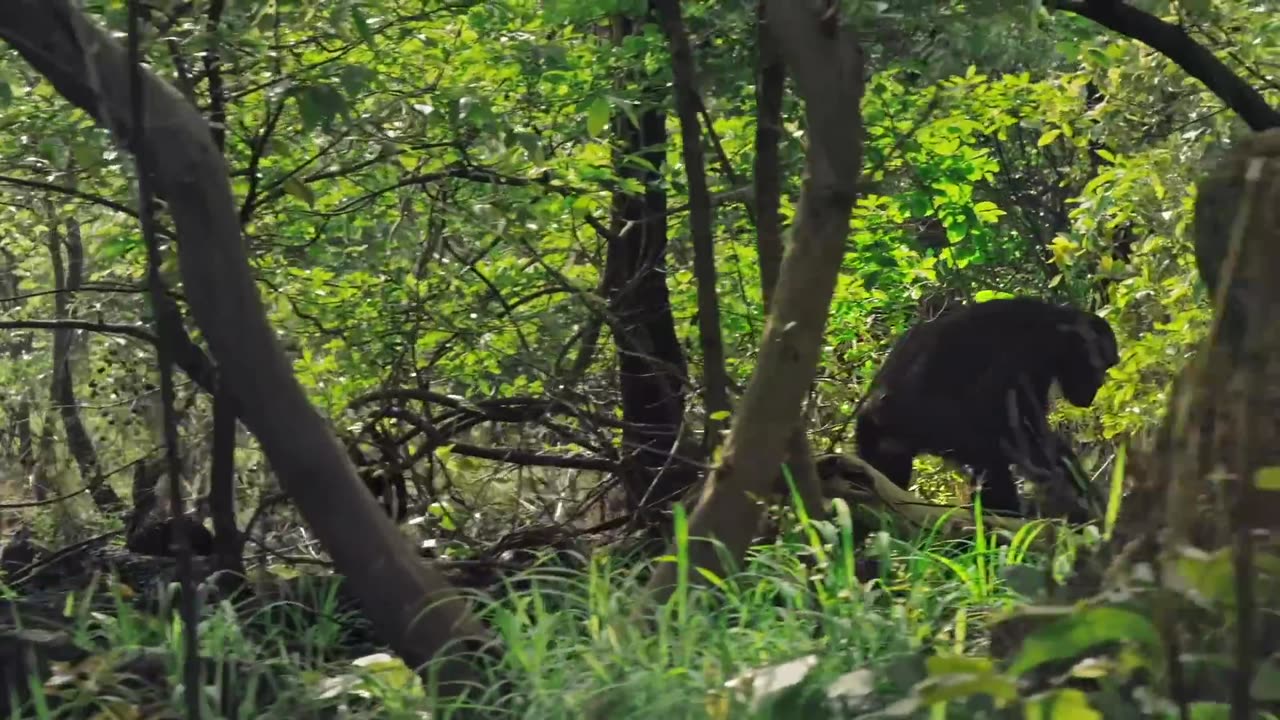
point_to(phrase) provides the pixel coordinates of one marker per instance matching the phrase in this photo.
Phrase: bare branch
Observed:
(134, 331)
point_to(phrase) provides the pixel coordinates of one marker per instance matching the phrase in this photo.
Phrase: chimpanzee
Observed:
(973, 386)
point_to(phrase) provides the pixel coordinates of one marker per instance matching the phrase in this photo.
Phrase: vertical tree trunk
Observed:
(1204, 483)
(771, 75)
(651, 363)
(227, 543)
(715, 379)
(228, 546)
(67, 281)
(27, 449)
(18, 409)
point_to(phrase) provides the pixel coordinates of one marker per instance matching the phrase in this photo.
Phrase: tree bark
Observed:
(826, 62)
(18, 409)
(770, 77)
(67, 278)
(715, 378)
(1202, 486)
(411, 606)
(1237, 240)
(651, 364)
(227, 544)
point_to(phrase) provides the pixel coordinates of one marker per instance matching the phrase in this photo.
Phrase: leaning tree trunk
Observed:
(826, 62)
(412, 607)
(771, 75)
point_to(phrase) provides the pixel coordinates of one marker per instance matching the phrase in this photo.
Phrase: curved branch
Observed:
(1174, 43)
(512, 410)
(463, 416)
(514, 456)
(534, 458)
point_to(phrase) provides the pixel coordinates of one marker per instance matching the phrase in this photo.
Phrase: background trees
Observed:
(431, 201)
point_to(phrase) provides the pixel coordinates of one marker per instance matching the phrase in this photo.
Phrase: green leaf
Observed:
(1209, 711)
(442, 512)
(1048, 136)
(1116, 492)
(957, 230)
(355, 79)
(1267, 478)
(598, 116)
(1067, 704)
(985, 295)
(390, 671)
(1196, 7)
(951, 664)
(118, 246)
(1210, 576)
(987, 211)
(319, 104)
(1068, 49)
(86, 154)
(362, 28)
(299, 189)
(1081, 630)
(1099, 56)
(1266, 682)
(947, 688)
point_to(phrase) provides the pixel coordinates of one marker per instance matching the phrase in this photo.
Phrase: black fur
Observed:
(156, 539)
(973, 386)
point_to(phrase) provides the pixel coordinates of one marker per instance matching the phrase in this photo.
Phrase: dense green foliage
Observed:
(422, 190)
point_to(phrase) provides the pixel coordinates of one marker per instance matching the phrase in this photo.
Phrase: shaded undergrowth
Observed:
(815, 623)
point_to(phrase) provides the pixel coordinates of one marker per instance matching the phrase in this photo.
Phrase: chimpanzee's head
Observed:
(1086, 352)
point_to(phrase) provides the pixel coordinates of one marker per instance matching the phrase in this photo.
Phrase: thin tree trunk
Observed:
(19, 408)
(67, 279)
(227, 544)
(715, 392)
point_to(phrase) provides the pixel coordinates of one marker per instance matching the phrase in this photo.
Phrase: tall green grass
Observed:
(574, 648)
